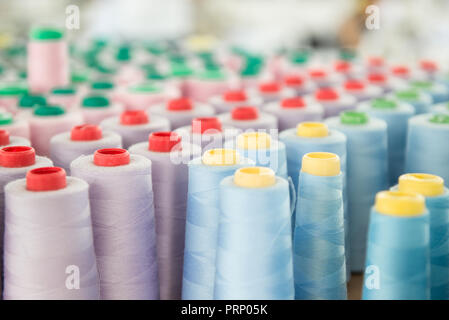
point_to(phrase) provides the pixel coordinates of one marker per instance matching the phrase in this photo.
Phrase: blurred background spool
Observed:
(271, 91)
(234, 98)
(361, 90)
(324, 78)
(438, 91)
(254, 229)
(96, 108)
(144, 95)
(121, 200)
(249, 118)
(427, 145)
(203, 213)
(319, 236)
(7, 140)
(333, 101)
(84, 139)
(15, 126)
(420, 100)
(134, 126)
(299, 84)
(169, 157)
(396, 114)
(206, 84)
(397, 260)
(10, 94)
(48, 238)
(441, 108)
(68, 97)
(367, 174)
(26, 104)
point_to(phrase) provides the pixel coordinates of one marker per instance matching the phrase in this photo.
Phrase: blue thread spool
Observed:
(254, 251)
(437, 202)
(427, 145)
(441, 108)
(319, 238)
(396, 115)
(205, 175)
(420, 100)
(397, 261)
(367, 173)
(439, 92)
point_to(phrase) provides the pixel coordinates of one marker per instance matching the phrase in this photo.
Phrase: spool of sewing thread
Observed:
(426, 145)
(384, 81)
(104, 87)
(439, 92)
(262, 149)
(134, 126)
(49, 252)
(169, 157)
(402, 72)
(333, 101)
(270, 91)
(420, 100)
(121, 200)
(397, 261)
(15, 126)
(291, 111)
(442, 108)
(429, 67)
(323, 78)
(26, 104)
(48, 121)
(64, 96)
(255, 230)
(181, 111)
(10, 94)
(48, 60)
(234, 98)
(203, 213)
(144, 95)
(361, 90)
(299, 84)
(348, 69)
(7, 140)
(319, 236)
(96, 108)
(437, 203)
(207, 84)
(249, 118)
(376, 64)
(84, 139)
(396, 114)
(207, 133)
(367, 174)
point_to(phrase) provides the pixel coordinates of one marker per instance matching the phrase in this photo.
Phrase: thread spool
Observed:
(384, 81)
(84, 139)
(203, 212)
(271, 91)
(10, 94)
(134, 126)
(254, 199)
(142, 96)
(181, 111)
(362, 91)
(231, 99)
(96, 108)
(204, 85)
(47, 55)
(169, 157)
(15, 126)
(48, 121)
(429, 67)
(248, 118)
(262, 149)
(396, 114)
(439, 92)
(397, 261)
(333, 101)
(442, 108)
(425, 151)
(27, 102)
(67, 97)
(291, 111)
(367, 174)
(49, 252)
(121, 199)
(207, 132)
(319, 236)
(420, 100)
(299, 84)
(323, 78)
(105, 88)
(7, 140)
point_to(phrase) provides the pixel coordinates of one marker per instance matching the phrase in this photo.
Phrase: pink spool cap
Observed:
(354, 85)
(17, 156)
(46, 179)
(245, 113)
(111, 157)
(4, 137)
(86, 132)
(134, 117)
(326, 94)
(293, 103)
(164, 141)
(200, 125)
(180, 104)
(234, 96)
(269, 87)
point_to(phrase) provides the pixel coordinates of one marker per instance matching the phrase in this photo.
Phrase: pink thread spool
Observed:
(15, 126)
(231, 99)
(96, 108)
(207, 84)
(249, 118)
(48, 60)
(10, 94)
(333, 101)
(67, 97)
(144, 95)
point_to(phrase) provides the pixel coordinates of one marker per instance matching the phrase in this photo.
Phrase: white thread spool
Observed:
(169, 159)
(299, 84)
(84, 139)
(96, 108)
(333, 101)
(7, 140)
(270, 91)
(361, 90)
(201, 87)
(142, 96)
(324, 78)
(181, 111)
(49, 252)
(15, 126)
(249, 118)
(234, 98)
(134, 126)
(384, 81)
(68, 97)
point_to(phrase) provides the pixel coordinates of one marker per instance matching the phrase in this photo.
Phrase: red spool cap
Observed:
(326, 94)
(269, 87)
(245, 113)
(376, 61)
(317, 73)
(200, 125)
(134, 117)
(180, 104)
(428, 65)
(377, 77)
(290, 103)
(17, 156)
(86, 132)
(294, 81)
(400, 70)
(163, 141)
(234, 96)
(111, 157)
(354, 85)
(46, 179)
(4, 137)
(342, 66)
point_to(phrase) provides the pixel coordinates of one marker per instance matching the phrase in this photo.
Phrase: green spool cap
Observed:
(382, 103)
(13, 90)
(422, 84)
(22, 74)
(181, 70)
(353, 117)
(155, 76)
(79, 76)
(29, 101)
(46, 34)
(48, 111)
(408, 95)
(123, 53)
(95, 102)
(213, 74)
(145, 88)
(299, 57)
(102, 85)
(177, 58)
(63, 90)
(105, 69)
(440, 119)
(347, 54)
(6, 118)
(250, 71)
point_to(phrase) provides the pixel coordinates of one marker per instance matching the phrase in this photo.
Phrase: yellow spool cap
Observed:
(400, 204)
(428, 185)
(321, 164)
(312, 130)
(254, 177)
(221, 157)
(254, 140)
